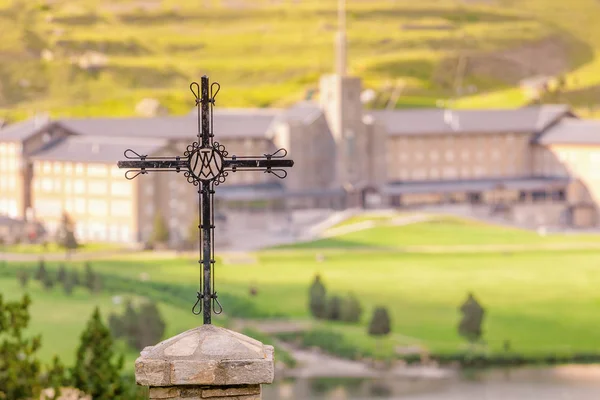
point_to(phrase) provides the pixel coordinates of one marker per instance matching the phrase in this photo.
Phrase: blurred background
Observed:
(437, 238)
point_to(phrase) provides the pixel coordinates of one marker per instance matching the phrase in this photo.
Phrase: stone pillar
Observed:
(208, 363)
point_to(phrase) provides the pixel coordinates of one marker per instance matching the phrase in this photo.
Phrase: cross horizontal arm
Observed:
(256, 163)
(155, 164)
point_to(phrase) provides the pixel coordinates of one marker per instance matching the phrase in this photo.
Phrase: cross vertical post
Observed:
(206, 164)
(205, 203)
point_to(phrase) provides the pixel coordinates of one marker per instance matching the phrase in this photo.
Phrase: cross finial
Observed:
(206, 164)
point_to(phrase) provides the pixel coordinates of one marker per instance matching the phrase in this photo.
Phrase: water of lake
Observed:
(563, 383)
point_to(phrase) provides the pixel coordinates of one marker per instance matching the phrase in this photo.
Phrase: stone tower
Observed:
(341, 104)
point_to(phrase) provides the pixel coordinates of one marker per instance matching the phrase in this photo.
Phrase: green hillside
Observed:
(94, 57)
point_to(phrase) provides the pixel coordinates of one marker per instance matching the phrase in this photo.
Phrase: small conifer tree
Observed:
(96, 372)
(48, 282)
(334, 308)
(472, 319)
(62, 274)
(318, 299)
(89, 277)
(380, 323)
(68, 285)
(19, 368)
(351, 309)
(23, 277)
(41, 271)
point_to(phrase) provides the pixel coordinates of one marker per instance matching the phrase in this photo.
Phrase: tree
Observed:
(62, 274)
(141, 328)
(160, 234)
(97, 284)
(472, 319)
(318, 299)
(334, 308)
(75, 277)
(23, 277)
(380, 323)
(351, 310)
(68, 285)
(41, 271)
(19, 368)
(65, 235)
(151, 326)
(48, 282)
(89, 277)
(96, 372)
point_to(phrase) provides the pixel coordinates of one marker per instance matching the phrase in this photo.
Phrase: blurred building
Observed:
(536, 165)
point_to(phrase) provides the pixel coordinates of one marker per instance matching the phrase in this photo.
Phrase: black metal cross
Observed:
(206, 164)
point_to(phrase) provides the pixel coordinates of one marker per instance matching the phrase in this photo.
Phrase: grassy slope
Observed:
(541, 301)
(264, 54)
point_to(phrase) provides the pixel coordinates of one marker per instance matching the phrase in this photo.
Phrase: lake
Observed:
(562, 383)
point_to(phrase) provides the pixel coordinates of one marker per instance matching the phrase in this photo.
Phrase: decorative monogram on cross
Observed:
(206, 164)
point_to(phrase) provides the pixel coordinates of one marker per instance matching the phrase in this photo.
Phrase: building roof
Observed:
(96, 149)
(228, 123)
(572, 131)
(474, 185)
(23, 130)
(440, 121)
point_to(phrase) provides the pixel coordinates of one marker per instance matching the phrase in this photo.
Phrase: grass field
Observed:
(543, 301)
(54, 248)
(267, 53)
(61, 319)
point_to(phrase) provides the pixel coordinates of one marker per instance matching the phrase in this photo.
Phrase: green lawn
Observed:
(61, 319)
(268, 53)
(542, 301)
(54, 248)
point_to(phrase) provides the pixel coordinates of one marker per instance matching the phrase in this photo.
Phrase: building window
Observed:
(125, 234)
(97, 188)
(418, 156)
(47, 184)
(48, 208)
(80, 206)
(68, 168)
(47, 168)
(79, 169)
(57, 168)
(449, 155)
(449, 172)
(120, 208)
(433, 173)
(433, 155)
(97, 170)
(79, 186)
(116, 172)
(121, 189)
(97, 208)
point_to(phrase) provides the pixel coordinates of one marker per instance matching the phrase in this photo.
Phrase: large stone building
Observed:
(537, 165)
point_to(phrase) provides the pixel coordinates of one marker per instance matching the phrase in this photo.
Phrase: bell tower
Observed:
(341, 104)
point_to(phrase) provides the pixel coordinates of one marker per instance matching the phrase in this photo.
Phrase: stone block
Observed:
(231, 391)
(164, 392)
(152, 372)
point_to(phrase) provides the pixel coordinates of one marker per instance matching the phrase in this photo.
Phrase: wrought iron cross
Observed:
(206, 164)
